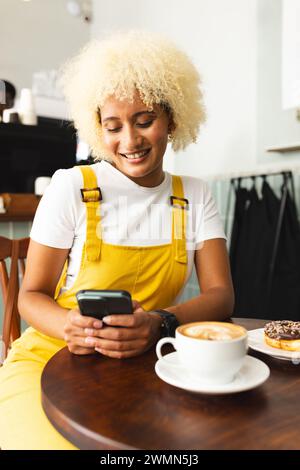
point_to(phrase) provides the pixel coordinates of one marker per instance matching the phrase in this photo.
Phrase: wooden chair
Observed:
(16, 250)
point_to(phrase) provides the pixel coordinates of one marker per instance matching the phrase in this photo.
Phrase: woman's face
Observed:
(137, 139)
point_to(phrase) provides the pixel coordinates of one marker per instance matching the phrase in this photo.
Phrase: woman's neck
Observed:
(155, 178)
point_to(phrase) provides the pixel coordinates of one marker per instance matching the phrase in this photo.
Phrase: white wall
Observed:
(220, 37)
(36, 35)
(275, 127)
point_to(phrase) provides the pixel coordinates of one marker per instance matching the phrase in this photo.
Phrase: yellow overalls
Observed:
(153, 275)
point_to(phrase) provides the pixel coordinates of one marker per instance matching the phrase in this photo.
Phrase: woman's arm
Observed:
(38, 307)
(216, 301)
(36, 303)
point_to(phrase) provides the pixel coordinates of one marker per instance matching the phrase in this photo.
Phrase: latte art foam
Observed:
(212, 331)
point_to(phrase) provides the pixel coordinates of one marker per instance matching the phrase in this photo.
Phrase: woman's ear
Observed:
(171, 125)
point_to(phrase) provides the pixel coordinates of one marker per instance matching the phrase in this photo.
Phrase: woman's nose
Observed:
(132, 138)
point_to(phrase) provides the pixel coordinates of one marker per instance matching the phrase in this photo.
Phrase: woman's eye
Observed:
(139, 124)
(113, 130)
(145, 124)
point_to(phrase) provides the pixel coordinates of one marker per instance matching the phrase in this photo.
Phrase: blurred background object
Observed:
(80, 8)
(7, 96)
(291, 55)
(28, 152)
(26, 108)
(41, 184)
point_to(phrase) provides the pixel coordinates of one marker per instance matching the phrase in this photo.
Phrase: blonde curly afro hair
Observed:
(120, 65)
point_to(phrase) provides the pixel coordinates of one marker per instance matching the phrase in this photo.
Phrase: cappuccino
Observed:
(212, 331)
(212, 352)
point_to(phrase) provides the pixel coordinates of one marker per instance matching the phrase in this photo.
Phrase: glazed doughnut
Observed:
(283, 334)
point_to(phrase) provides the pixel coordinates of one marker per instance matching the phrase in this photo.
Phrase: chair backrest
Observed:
(16, 251)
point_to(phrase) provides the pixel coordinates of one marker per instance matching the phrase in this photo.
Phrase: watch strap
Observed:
(169, 323)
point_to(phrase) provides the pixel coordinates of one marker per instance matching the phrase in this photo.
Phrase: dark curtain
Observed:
(285, 293)
(251, 249)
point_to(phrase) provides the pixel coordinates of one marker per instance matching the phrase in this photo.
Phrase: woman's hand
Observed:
(76, 330)
(141, 332)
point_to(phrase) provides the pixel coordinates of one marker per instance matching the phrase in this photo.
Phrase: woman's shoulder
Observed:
(195, 187)
(66, 177)
(64, 190)
(72, 178)
(193, 181)
(60, 211)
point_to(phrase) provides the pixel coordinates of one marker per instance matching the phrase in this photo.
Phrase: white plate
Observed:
(252, 374)
(256, 341)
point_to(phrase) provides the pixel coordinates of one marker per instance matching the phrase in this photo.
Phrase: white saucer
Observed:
(252, 374)
(256, 341)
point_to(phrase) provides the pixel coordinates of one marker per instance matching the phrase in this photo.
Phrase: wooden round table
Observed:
(101, 403)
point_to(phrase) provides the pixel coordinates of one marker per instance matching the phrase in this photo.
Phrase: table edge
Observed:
(82, 433)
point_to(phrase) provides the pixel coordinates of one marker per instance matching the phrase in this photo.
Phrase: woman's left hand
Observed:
(142, 330)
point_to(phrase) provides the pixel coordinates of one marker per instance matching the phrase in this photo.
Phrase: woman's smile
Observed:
(137, 156)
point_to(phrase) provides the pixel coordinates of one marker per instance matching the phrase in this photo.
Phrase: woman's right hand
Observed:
(76, 329)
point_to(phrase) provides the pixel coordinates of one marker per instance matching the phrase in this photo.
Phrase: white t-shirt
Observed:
(130, 214)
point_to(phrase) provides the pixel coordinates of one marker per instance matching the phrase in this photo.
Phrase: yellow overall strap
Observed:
(91, 196)
(179, 208)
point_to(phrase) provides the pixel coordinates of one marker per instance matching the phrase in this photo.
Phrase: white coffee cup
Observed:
(41, 184)
(210, 352)
(27, 107)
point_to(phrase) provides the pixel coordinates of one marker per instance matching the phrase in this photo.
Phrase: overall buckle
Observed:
(184, 206)
(92, 198)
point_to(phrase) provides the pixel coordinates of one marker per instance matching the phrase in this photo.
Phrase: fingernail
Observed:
(89, 331)
(97, 324)
(90, 341)
(106, 319)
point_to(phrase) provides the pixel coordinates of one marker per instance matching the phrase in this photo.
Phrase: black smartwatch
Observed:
(169, 324)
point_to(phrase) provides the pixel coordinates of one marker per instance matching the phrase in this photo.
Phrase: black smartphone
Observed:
(99, 303)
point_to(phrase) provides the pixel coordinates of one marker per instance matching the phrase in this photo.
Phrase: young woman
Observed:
(120, 223)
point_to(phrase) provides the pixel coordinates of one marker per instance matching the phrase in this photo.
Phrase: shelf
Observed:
(16, 218)
(285, 148)
(20, 207)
